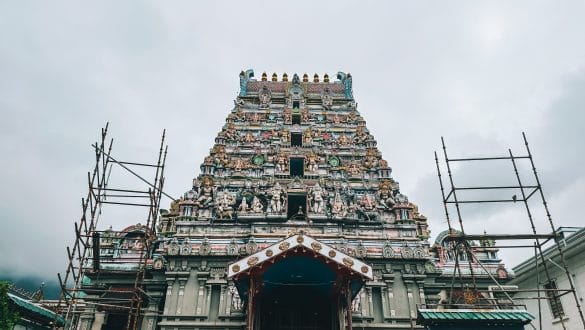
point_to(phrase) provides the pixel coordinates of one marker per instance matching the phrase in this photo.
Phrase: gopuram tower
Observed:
(294, 222)
(296, 199)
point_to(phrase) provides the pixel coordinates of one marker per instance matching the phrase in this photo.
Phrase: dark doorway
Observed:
(296, 119)
(296, 308)
(115, 321)
(296, 104)
(296, 139)
(298, 293)
(295, 203)
(297, 167)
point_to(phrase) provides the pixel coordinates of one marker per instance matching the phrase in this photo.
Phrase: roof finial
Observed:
(305, 78)
(326, 78)
(316, 78)
(274, 77)
(264, 76)
(284, 77)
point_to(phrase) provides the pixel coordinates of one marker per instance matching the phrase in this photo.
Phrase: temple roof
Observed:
(473, 317)
(298, 243)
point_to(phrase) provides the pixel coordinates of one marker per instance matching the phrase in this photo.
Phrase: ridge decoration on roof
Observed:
(300, 241)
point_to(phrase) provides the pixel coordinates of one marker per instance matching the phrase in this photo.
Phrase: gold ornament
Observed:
(348, 262)
(284, 246)
(316, 246)
(252, 261)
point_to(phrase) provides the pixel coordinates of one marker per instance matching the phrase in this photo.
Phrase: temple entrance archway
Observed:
(297, 293)
(299, 283)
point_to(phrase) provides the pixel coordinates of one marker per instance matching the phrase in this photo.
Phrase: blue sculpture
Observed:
(346, 81)
(244, 78)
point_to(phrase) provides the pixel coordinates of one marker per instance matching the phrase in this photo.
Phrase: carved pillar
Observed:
(391, 302)
(170, 283)
(222, 300)
(207, 305)
(369, 302)
(180, 295)
(409, 292)
(385, 302)
(200, 296)
(228, 303)
(421, 292)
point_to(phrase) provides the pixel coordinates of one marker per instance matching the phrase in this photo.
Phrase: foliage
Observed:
(8, 316)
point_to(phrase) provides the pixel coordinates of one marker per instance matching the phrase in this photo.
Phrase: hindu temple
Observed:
(294, 221)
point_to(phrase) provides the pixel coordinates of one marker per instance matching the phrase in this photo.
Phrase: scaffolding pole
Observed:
(462, 239)
(72, 301)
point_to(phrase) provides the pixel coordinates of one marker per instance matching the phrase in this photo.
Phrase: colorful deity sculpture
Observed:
(277, 199)
(338, 207)
(257, 206)
(281, 162)
(224, 204)
(317, 199)
(312, 161)
(385, 198)
(205, 192)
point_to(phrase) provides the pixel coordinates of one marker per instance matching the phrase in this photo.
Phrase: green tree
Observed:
(8, 316)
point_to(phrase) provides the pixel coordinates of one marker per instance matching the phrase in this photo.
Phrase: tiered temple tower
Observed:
(295, 222)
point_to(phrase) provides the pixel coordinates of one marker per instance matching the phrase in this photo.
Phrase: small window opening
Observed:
(296, 206)
(297, 167)
(296, 119)
(296, 104)
(296, 139)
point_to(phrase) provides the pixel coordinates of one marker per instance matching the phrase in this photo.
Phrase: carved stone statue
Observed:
(249, 138)
(312, 162)
(307, 136)
(371, 159)
(343, 140)
(338, 207)
(236, 303)
(326, 98)
(385, 195)
(316, 199)
(368, 202)
(281, 163)
(285, 136)
(243, 208)
(220, 158)
(360, 135)
(238, 164)
(354, 169)
(257, 206)
(264, 95)
(276, 201)
(224, 204)
(205, 192)
(286, 115)
(305, 115)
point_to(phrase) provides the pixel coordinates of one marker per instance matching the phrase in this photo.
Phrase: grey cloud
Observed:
(477, 73)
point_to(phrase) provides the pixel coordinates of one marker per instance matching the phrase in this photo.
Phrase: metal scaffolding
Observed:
(84, 255)
(520, 193)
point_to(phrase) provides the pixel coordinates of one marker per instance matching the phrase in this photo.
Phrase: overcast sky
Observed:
(476, 72)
